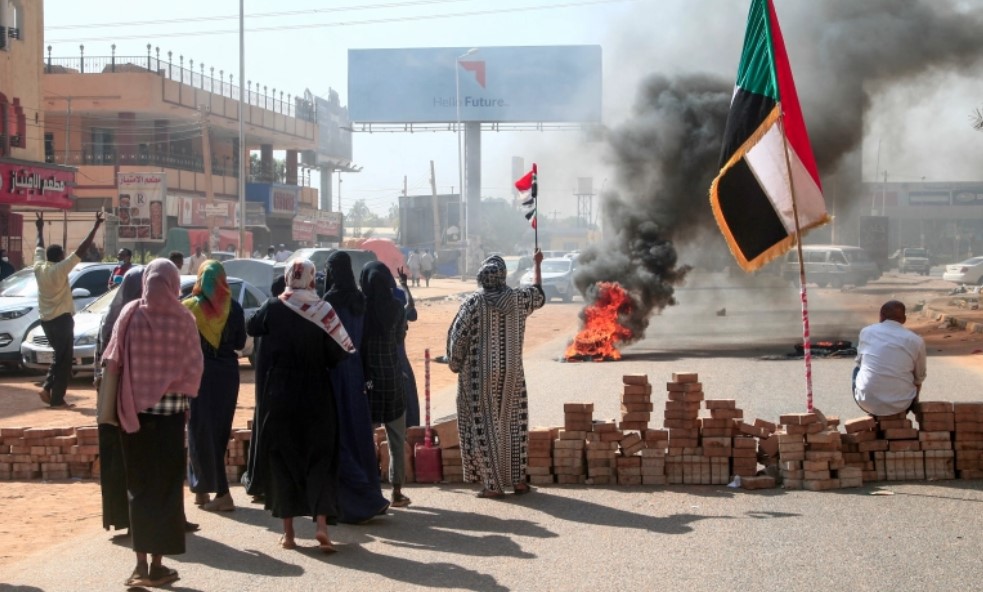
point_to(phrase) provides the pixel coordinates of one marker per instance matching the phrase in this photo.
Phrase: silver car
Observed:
(38, 355)
(557, 278)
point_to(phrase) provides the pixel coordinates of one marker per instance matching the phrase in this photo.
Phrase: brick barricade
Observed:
(702, 441)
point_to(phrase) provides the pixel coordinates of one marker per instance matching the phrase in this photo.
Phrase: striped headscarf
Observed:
(210, 301)
(301, 298)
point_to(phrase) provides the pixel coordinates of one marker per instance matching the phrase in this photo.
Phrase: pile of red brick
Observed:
(49, 453)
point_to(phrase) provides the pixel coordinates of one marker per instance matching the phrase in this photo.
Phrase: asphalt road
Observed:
(925, 536)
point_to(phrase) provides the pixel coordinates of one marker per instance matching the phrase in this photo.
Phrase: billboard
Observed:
(497, 84)
(141, 207)
(334, 135)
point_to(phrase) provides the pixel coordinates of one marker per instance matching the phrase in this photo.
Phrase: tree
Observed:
(978, 119)
(357, 216)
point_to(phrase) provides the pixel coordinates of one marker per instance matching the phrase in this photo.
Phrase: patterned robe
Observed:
(484, 347)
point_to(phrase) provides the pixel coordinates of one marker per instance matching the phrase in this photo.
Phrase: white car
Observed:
(36, 353)
(19, 303)
(557, 278)
(969, 271)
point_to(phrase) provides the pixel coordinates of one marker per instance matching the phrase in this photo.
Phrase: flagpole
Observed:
(535, 205)
(806, 339)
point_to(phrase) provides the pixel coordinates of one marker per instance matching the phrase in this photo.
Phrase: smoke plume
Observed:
(666, 153)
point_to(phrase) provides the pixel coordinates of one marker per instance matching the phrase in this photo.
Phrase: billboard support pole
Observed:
(243, 152)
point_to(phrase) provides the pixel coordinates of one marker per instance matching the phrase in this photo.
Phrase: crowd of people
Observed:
(328, 372)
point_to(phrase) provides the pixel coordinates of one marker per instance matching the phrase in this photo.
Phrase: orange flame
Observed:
(601, 332)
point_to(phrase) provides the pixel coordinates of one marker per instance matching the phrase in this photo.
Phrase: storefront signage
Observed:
(255, 214)
(283, 200)
(302, 230)
(141, 207)
(35, 185)
(328, 225)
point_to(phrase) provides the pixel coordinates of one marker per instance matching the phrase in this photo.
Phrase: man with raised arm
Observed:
(56, 308)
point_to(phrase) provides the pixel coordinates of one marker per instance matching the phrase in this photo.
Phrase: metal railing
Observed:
(196, 77)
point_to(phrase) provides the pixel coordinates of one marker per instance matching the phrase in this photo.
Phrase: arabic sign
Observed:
(141, 207)
(255, 214)
(196, 211)
(35, 185)
(328, 225)
(302, 230)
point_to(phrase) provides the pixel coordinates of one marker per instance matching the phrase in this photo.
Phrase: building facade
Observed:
(27, 180)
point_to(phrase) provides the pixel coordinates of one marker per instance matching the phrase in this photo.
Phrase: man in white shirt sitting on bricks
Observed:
(891, 364)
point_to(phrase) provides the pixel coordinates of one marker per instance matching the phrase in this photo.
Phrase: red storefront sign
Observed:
(328, 225)
(302, 230)
(37, 185)
(196, 211)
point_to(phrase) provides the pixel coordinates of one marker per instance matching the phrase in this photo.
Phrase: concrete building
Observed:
(27, 180)
(177, 118)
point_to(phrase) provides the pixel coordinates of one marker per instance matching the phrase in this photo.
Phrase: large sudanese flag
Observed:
(752, 195)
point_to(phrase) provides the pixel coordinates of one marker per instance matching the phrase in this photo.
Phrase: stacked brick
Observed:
(449, 441)
(903, 459)
(811, 454)
(602, 453)
(636, 402)
(570, 443)
(858, 444)
(968, 436)
(236, 454)
(936, 424)
(685, 462)
(45, 453)
(540, 456)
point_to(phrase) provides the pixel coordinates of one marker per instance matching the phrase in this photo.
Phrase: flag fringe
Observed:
(778, 248)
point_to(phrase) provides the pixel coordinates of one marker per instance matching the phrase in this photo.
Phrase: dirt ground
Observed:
(31, 509)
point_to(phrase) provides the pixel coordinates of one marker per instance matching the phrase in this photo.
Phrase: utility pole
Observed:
(68, 135)
(404, 178)
(206, 149)
(341, 231)
(436, 210)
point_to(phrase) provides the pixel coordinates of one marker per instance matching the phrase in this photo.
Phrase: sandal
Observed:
(324, 543)
(161, 576)
(400, 501)
(490, 494)
(522, 488)
(139, 577)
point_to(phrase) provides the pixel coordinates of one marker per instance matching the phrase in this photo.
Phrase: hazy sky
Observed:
(923, 129)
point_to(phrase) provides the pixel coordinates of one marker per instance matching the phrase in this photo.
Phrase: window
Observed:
(102, 146)
(250, 301)
(93, 280)
(49, 147)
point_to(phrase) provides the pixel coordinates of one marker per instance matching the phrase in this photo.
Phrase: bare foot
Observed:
(324, 543)
(288, 542)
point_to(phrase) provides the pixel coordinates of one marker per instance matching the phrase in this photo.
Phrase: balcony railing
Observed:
(183, 162)
(200, 78)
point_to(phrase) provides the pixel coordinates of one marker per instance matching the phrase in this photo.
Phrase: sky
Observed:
(919, 131)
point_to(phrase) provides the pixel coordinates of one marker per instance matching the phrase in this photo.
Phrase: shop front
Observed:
(280, 206)
(28, 185)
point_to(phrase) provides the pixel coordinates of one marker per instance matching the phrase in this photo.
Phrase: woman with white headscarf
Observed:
(302, 339)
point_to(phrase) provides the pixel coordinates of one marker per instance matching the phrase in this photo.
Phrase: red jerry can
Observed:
(427, 460)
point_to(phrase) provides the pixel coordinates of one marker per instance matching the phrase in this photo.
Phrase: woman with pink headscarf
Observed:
(155, 352)
(302, 339)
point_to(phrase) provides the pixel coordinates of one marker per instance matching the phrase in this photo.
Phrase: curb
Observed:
(966, 325)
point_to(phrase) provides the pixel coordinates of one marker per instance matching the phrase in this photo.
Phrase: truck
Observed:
(914, 259)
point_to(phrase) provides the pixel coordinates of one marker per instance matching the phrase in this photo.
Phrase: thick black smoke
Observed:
(665, 158)
(667, 152)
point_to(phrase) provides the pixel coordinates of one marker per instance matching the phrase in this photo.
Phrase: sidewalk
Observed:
(443, 287)
(960, 310)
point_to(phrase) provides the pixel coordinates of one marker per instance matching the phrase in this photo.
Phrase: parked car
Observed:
(37, 354)
(832, 265)
(259, 272)
(319, 256)
(914, 259)
(19, 303)
(969, 271)
(516, 267)
(557, 278)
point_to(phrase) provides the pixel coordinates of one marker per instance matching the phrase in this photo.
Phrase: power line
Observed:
(376, 21)
(282, 13)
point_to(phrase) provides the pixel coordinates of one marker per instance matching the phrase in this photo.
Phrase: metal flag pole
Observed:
(535, 206)
(806, 338)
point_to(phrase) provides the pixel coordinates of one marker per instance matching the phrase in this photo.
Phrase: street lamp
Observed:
(460, 156)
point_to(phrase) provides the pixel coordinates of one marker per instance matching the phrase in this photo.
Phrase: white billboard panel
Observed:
(497, 84)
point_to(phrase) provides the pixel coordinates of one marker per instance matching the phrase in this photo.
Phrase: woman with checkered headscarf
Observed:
(484, 347)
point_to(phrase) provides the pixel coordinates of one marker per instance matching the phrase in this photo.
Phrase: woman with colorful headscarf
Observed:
(359, 495)
(384, 316)
(154, 351)
(303, 339)
(484, 349)
(222, 330)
